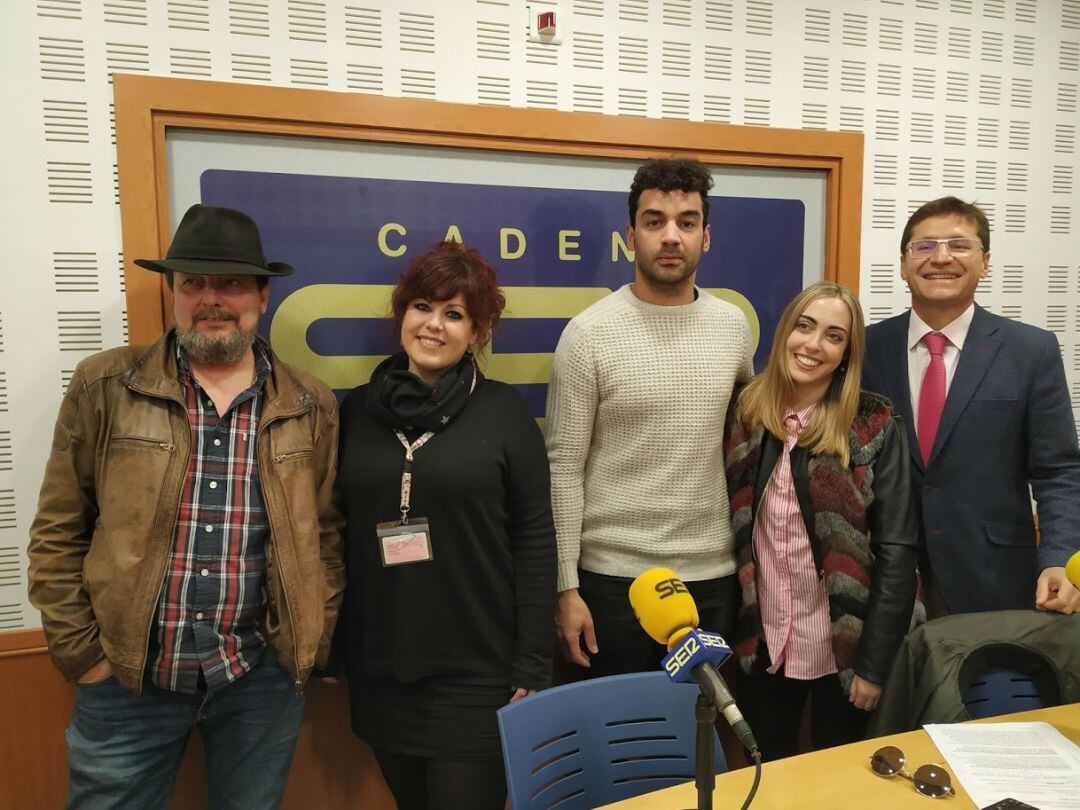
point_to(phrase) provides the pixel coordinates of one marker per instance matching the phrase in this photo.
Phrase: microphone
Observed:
(1072, 570)
(667, 612)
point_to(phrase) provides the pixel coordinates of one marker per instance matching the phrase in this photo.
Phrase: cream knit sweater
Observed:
(635, 411)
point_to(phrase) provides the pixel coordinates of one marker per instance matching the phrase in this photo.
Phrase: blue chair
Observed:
(599, 741)
(1001, 691)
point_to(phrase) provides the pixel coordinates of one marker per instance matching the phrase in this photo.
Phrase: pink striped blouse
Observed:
(794, 607)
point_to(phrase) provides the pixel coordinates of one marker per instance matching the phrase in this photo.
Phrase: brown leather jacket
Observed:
(108, 505)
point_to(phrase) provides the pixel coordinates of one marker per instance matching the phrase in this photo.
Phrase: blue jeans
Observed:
(124, 750)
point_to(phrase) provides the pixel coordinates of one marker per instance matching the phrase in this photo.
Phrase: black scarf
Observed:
(402, 401)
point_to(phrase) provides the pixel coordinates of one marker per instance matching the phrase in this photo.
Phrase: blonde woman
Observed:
(825, 531)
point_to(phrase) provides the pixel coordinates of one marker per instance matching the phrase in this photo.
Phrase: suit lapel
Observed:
(980, 347)
(895, 369)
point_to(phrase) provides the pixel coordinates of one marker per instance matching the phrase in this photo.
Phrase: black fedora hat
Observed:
(213, 241)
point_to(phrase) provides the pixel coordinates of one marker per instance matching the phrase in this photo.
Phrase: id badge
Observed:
(402, 543)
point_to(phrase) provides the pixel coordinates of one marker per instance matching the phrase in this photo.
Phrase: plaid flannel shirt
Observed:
(211, 606)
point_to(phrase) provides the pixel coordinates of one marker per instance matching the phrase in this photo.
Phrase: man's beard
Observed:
(657, 275)
(214, 350)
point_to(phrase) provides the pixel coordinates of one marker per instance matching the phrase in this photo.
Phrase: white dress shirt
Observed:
(919, 356)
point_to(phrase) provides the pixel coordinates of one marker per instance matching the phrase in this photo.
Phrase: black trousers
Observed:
(624, 645)
(435, 784)
(773, 706)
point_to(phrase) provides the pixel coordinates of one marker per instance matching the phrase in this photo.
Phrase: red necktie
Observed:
(932, 393)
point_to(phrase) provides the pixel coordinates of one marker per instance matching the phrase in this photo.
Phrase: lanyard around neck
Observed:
(406, 472)
(410, 449)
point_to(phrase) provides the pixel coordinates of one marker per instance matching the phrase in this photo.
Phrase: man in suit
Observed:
(989, 425)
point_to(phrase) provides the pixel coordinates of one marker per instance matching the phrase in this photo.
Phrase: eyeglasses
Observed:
(930, 780)
(959, 246)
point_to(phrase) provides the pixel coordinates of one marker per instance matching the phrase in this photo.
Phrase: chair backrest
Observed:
(599, 741)
(1001, 691)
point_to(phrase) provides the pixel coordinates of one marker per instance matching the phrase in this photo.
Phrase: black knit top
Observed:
(480, 611)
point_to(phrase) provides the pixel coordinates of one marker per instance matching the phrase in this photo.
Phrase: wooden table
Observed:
(841, 777)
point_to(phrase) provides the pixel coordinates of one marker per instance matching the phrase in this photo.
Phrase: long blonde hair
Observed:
(764, 400)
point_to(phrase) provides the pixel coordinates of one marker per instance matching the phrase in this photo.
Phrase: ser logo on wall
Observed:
(556, 251)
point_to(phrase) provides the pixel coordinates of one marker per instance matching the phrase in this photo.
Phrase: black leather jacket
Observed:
(862, 527)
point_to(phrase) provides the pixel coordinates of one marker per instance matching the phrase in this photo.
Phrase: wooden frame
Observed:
(147, 106)
(22, 642)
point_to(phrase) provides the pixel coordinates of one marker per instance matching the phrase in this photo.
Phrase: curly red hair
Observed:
(444, 271)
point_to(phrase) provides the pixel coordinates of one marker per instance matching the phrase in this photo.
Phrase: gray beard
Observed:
(215, 351)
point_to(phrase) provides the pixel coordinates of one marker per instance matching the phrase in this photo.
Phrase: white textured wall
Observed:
(971, 97)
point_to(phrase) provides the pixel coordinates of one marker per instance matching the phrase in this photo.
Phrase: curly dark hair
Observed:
(672, 174)
(444, 271)
(945, 206)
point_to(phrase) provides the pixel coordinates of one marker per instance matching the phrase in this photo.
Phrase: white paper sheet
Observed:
(1032, 762)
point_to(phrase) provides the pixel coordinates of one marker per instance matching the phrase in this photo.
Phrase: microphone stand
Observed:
(705, 751)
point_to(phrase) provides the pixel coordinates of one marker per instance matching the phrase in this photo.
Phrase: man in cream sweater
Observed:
(636, 406)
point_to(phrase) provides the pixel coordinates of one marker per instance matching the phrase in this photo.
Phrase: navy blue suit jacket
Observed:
(1007, 423)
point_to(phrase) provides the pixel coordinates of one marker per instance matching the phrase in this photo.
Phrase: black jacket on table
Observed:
(940, 660)
(481, 609)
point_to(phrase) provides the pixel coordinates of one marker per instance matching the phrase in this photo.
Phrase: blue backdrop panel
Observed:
(356, 231)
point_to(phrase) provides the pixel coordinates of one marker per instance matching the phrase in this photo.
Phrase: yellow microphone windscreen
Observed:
(663, 605)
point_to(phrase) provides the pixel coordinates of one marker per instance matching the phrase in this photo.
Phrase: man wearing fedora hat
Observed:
(186, 554)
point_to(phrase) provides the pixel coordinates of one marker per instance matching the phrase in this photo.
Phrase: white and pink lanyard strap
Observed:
(410, 449)
(406, 473)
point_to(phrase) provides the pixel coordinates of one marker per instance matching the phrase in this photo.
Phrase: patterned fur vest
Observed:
(861, 522)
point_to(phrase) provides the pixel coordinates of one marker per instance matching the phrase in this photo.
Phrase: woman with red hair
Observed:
(450, 543)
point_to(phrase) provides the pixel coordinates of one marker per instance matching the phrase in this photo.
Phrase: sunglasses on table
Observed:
(930, 780)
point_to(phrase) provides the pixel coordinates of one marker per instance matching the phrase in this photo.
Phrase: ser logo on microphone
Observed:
(681, 656)
(670, 587)
(698, 647)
